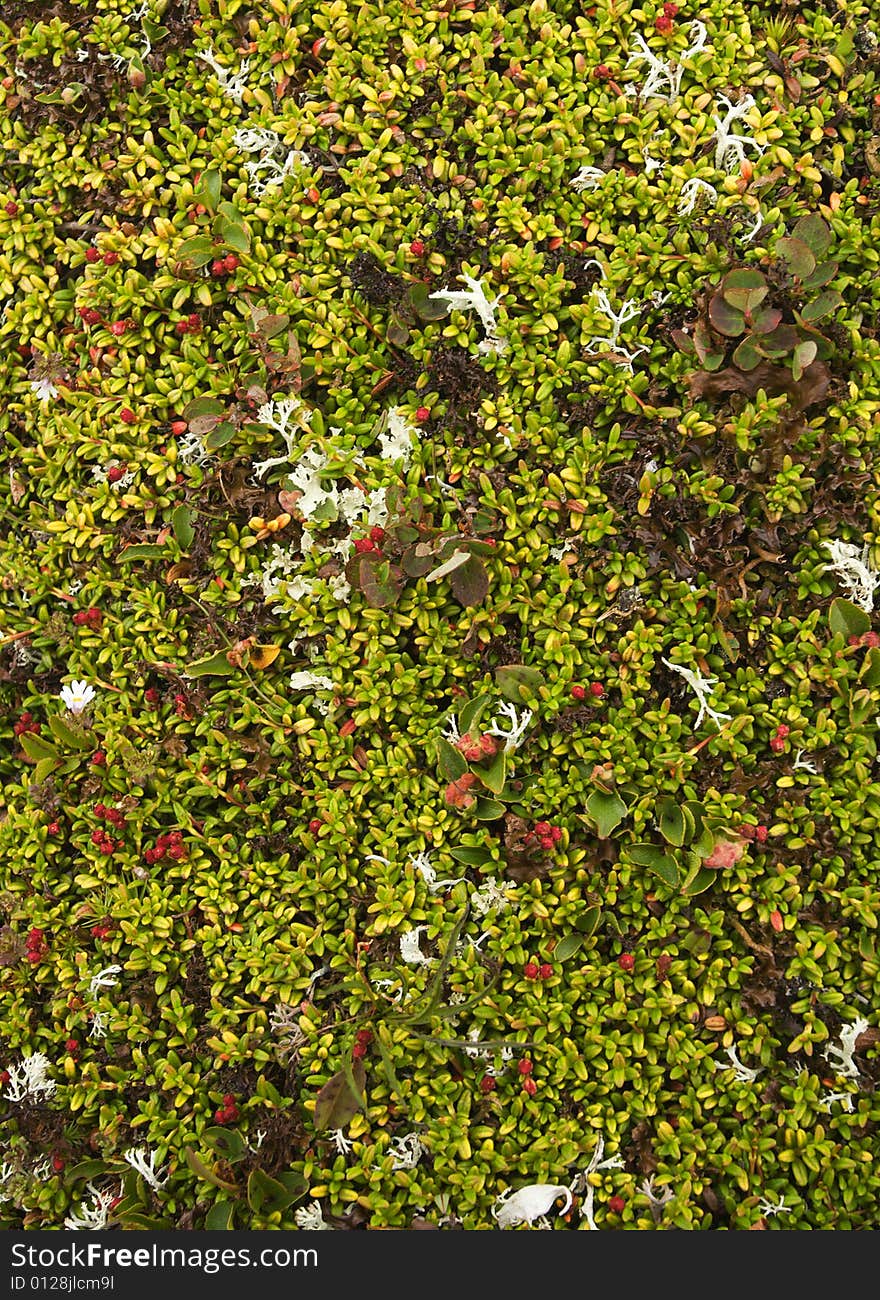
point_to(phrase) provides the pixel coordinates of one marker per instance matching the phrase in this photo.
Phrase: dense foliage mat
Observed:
(439, 688)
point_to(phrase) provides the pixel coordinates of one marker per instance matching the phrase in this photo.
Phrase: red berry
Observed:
(119, 327)
(530, 1087)
(53, 828)
(110, 259)
(181, 327)
(359, 1051)
(747, 831)
(218, 268)
(670, 9)
(487, 1083)
(547, 842)
(782, 730)
(853, 640)
(663, 23)
(617, 1205)
(92, 255)
(127, 415)
(423, 414)
(71, 1045)
(151, 696)
(4, 1077)
(546, 971)
(177, 852)
(231, 262)
(525, 1066)
(597, 689)
(417, 248)
(364, 1036)
(578, 692)
(220, 1116)
(870, 639)
(761, 834)
(194, 320)
(777, 744)
(115, 473)
(531, 970)
(179, 427)
(556, 833)
(315, 825)
(90, 316)
(626, 961)
(363, 544)
(100, 810)
(542, 828)
(80, 617)
(377, 534)
(601, 72)
(99, 758)
(57, 1164)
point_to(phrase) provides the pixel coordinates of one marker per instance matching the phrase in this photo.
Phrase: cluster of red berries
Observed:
(525, 1068)
(371, 543)
(114, 816)
(169, 845)
(181, 706)
(596, 689)
(869, 639)
(151, 697)
(533, 971)
(89, 316)
(90, 618)
(228, 1112)
(104, 842)
(665, 22)
(26, 723)
(362, 1040)
(779, 737)
(102, 930)
(35, 945)
(72, 1046)
(749, 832)
(545, 834)
(477, 749)
(224, 265)
(191, 324)
(94, 255)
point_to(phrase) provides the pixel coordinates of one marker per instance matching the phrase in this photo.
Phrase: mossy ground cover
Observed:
(460, 575)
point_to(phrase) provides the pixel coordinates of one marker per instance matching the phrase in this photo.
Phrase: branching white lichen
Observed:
(656, 1201)
(513, 737)
(588, 178)
(94, 1214)
(28, 1079)
(729, 146)
(290, 417)
(690, 193)
(232, 84)
(769, 1208)
(841, 1057)
(422, 863)
(406, 1151)
(143, 1162)
(311, 1219)
(742, 1072)
(529, 1204)
(475, 299)
(276, 160)
(103, 980)
(702, 688)
(854, 570)
(628, 311)
(581, 1184)
(410, 951)
(396, 440)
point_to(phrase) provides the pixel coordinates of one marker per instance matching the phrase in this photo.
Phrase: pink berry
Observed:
(423, 414)
(118, 328)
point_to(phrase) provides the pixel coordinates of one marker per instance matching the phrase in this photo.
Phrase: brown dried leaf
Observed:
(809, 389)
(336, 1104)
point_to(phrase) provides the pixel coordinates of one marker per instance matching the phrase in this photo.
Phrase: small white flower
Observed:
(406, 1152)
(143, 1162)
(841, 1057)
(769, 1208)
(93, 1217)
(29, 1078)
(103, 980)
(588, 178)
(860, 580)
(77, 696)
(691, 191)
(702, 688)
(341, 1142)
(475, 298)
(44, 389)
(529, 1203)
(410, 951)
(513, 737)
(742, 1072)
(729, 147)
(310, 1218)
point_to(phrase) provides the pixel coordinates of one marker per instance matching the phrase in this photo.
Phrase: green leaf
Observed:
(209, 190)
(220, 1216)
(141, 551)
(798, 255)
(747, 355)
(671, 821)
(337, 1103)
(826, 303)
(765, 320)
(232, 235)
(470, 582)
(201, 1170)
(653, 857)
(226, 1142)
(568, 945)
(494, 776)
(472, 857)
(780, 342)
(698, 881)
(219, 436)
(471, 712)
(848, 619)
(68, 737)
(744, 290)
(199, 251)
(606, 810)
(488, 810)
(453, 763)
(36, 747)
(814, 232)
(216, 665)
(181, 522)
(586, 923)
(200, 406)
(85, 1169)
(870, 670)
(824, 272)
(423, 306)
(804, 355)
(268, 1194)
(44, 768)
(518, 682)
(726, 319)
